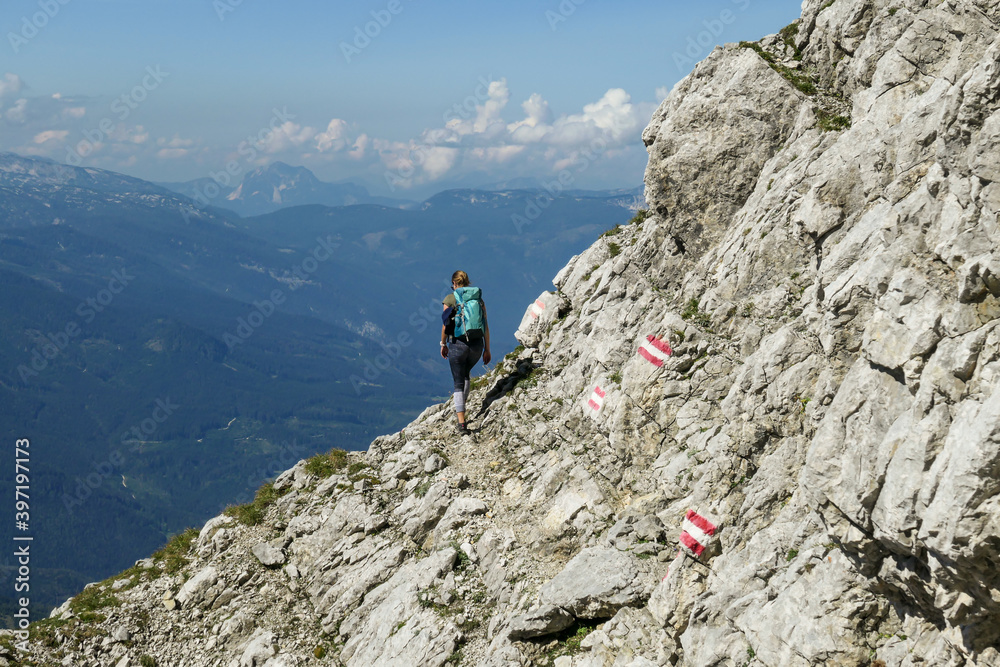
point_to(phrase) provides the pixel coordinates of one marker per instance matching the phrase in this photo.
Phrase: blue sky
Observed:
(172, 90)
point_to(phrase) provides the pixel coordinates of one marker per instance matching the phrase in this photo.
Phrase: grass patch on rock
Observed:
(512, 356)
(831, 122)
(173, 555)
(788, 35)
(325, 465)
(799, 80)
(253, 512)
(694, 315)
(639, 217)
(567, 642)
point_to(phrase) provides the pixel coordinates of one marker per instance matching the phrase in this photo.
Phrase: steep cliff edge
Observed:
(819, 255)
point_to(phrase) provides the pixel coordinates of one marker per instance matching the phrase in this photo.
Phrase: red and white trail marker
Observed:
(596, 401)
(655, 350)
(696, 532)
(537, 308)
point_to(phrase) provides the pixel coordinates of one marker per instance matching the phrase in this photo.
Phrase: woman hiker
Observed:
(467, 331)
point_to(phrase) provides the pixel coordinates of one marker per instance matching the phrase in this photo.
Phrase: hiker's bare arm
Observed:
(486, 350)
(444, 336)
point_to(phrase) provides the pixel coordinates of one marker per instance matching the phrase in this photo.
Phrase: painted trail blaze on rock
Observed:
(596, 401)
(537, 308)
(696, 532)
(655, 350)
(674, 565)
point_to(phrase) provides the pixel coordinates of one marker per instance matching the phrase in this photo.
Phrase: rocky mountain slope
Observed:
(819, 257)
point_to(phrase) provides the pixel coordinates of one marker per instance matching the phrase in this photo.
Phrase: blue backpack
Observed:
(469, 320)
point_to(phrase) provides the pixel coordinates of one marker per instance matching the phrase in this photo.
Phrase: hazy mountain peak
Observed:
(279, 185)
(284, 171)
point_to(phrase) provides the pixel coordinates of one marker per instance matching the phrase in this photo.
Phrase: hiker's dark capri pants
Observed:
(462, 357)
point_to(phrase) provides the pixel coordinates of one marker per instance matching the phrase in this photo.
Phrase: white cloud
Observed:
(172, 153)
(286, 136)
(38, 112)
(17, 113)
(51, 135)
(359, 147)
(491, 135)
(438, 161)
(488, 115)
(334, 139)
(537, 110)
(610, 118)
(413, 163)
(612, 112)
(496, 154)
(138, 135)
(10, 84)
(487, 121)
(175, 142)
(537, 118)
(75, 129)
(483, 140)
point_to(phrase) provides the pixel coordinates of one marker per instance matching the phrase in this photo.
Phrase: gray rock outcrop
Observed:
(544, 620)
(596, 583)
(800, 341)
(268, 554)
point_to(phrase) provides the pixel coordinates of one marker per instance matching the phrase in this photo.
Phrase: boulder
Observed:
(269, 555)
(544, 620)
(196, 590)
(594, 584)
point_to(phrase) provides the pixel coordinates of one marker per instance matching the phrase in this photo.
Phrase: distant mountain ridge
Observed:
(280, 185)
(276, 186)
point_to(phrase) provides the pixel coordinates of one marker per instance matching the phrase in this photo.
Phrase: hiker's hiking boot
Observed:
(463, 429)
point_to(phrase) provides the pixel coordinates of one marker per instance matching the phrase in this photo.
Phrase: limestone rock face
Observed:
(596, 583)
(709, 141)
(800, 343)
(198, 589)
(545, 620)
